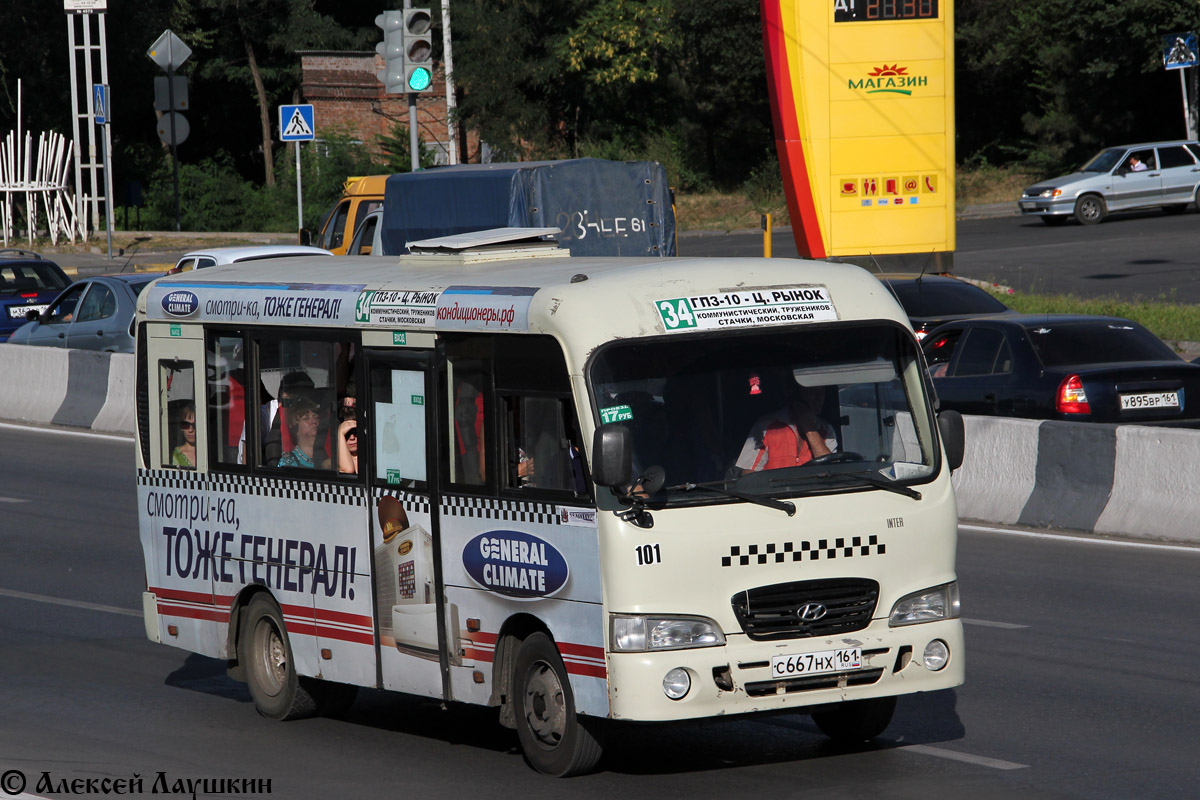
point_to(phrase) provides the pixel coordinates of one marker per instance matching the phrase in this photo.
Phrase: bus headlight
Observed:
(639, 634)
(927, 605)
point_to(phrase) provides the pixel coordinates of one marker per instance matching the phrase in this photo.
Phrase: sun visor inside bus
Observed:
(877, 371)
(604, 208)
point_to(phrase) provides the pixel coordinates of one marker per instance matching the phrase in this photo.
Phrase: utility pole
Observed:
(448, 69)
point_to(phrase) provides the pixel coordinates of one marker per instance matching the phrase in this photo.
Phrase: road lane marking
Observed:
(987, 623)
(899, 744)
(1175, 548)
(13, 500)
(968, 758)
(65, 432)
(61, 601)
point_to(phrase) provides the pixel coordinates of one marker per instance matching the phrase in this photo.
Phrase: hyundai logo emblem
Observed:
(811, 612)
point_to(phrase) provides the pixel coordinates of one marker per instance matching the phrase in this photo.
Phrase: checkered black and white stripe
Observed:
(822, 549)
(508, 510)
(415, 503)
(255, 486)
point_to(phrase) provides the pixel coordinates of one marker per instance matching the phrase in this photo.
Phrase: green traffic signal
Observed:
(419, 79)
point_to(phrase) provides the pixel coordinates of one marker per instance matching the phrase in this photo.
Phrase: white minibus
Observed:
(588, 492)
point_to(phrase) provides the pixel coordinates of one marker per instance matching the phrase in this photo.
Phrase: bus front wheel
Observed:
(554, 739)
(856, 721)
(266, 656)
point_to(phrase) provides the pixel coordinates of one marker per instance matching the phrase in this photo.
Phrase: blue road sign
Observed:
(1179, 50)
(296, 124)
(100, 103)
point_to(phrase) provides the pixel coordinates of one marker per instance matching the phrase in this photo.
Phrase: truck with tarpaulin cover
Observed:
(603, 208)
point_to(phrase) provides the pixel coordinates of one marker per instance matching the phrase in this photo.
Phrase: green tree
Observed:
(1050, 83)
(251, 46)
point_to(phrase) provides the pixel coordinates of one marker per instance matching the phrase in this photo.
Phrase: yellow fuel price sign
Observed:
(862, 94)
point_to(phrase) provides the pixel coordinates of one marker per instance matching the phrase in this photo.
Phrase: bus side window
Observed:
(470, 409)
(177, 413)
(227, 397)
(298, 402)
(398, 396)
(540, 445)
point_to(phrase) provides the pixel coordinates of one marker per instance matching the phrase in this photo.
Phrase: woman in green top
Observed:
(185, 454)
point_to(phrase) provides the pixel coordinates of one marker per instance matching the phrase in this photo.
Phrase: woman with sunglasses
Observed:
(303, 421)
(185, 454)
(348, 447)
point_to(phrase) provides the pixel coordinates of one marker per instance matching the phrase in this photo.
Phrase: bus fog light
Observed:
(677, 683)
(936, 655)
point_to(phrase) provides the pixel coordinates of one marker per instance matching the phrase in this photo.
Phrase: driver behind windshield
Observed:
(793, 434)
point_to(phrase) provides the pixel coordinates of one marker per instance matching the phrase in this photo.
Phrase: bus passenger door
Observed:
(178, 528)
(404, 535)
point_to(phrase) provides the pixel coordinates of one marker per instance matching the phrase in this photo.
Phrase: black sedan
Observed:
(1071, 367)
(28, 282)
(930, 300)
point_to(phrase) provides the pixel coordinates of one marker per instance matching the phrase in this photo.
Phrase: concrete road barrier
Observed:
(74, 388)
(1127, 480)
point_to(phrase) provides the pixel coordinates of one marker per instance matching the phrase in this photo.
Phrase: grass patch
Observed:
(723, 212)
(986, 184)
(1165, 319)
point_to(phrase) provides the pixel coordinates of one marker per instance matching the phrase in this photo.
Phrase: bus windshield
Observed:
(779, 413)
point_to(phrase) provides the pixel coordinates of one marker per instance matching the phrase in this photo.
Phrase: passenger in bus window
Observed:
(272, 416)
(185, 454)
(789, 436)
(347, 446)
(303, 422)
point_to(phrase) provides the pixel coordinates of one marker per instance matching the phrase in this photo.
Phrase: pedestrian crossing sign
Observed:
(296, 123)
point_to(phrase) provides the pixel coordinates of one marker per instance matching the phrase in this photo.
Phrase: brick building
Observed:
(345, 93)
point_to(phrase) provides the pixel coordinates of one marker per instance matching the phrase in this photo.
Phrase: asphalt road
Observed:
(1150, 255)
(1081, 682)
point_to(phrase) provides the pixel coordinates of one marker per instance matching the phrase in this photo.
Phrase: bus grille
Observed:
(767, 613)
(813, 682)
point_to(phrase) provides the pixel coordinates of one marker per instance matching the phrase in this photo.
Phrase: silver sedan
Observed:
(91, 314)
(1125, 178)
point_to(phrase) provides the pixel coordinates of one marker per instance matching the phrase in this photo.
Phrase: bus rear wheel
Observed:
(555, 740)
(266, 655)
(856, 721)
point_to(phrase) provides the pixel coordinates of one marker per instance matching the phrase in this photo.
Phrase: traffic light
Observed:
(418, 50)
(392, 50)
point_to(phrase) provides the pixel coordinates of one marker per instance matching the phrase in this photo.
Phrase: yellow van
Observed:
(361, 196)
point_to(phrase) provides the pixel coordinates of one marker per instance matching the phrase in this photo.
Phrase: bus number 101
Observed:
(648, 554)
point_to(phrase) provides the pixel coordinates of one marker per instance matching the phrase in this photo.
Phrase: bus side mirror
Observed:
(305, 237)
(612, 455)
(954, 438)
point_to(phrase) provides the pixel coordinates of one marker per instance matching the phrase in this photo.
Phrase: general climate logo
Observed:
(886, 79)
(180, 303)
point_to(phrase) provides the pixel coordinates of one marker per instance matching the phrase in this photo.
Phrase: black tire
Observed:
(1090, 209)
(1055, 221)
(265, 654)
(856, 721)
(555, 740)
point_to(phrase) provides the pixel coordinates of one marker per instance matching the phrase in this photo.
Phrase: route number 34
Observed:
(676, 314)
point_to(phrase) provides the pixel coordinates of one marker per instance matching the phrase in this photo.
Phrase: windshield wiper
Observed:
(872, 479)
(719, 487)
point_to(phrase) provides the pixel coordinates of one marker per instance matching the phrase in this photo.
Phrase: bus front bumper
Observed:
(737, 678)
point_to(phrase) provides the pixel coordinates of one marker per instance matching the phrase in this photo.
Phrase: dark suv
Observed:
(28, 282)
